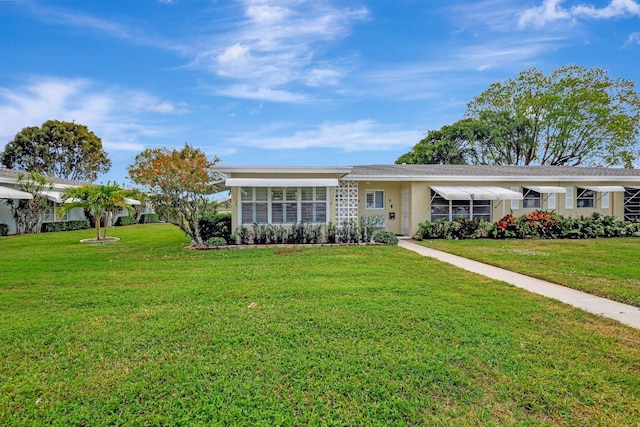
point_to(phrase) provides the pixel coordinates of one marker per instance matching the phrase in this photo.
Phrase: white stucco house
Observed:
(404, 196)
(9, 189)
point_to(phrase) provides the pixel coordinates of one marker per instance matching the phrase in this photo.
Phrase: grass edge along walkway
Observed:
(624, 313)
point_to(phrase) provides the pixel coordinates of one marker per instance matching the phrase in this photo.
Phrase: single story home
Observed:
(10, 189)
(400, 197)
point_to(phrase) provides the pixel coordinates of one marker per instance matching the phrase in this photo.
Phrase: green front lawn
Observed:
(609, 268)
(145, 332)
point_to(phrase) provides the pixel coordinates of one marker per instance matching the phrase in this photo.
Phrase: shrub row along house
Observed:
(10, 189)
(400, 197)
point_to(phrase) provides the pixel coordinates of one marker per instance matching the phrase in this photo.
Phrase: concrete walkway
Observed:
(623, 313)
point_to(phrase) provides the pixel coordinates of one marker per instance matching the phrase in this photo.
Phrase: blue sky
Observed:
(286, 82)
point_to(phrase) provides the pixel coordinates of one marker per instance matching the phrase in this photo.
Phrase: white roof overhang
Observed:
(132, 202)
(603, 188)
(12, 193)
(546, 189)
(281, 182)
(55, 196)
(463, 192)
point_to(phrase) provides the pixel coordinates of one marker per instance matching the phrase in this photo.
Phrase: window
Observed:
(254, 205)
(374, 199)
(586, 198)
(632, 204)
(532, 200)
(313, 204)
(283, 205)
(450, 210)
(50, 214)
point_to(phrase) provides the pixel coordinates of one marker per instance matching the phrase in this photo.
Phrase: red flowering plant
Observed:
(505, 227)
(540, 224)
(178, 181)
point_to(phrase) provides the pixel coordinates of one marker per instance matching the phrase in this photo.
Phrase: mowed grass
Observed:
(609, 268)
(145, 332)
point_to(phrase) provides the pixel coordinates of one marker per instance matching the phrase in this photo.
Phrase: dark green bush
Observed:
(386, 238)
(216, 225)
(125, 220)
(216, 241)
(149, 218)
(81, 224)
(4, 229)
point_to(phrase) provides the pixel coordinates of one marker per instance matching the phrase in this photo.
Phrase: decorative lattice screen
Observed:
(347, 201)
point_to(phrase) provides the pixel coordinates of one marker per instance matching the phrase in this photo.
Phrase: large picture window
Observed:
(586, 198)
(283, 205)
(450, 210)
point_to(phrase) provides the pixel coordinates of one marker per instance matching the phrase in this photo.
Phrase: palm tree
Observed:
(102, 201)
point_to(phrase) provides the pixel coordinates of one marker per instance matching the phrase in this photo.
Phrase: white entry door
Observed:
(405, 212)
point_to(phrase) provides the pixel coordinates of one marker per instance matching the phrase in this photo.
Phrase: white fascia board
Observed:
(471, 179)
(339, 170)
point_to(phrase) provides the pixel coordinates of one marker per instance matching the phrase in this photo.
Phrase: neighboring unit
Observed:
(9, 189)
(400, 197)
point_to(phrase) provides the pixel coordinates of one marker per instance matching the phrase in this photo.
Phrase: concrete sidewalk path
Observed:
(623, 313)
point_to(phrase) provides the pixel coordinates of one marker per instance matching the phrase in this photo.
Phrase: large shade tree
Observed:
(573, 116)
(58, 149)
(178, 182)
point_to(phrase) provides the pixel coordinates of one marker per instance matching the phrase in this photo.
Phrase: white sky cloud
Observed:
(277, 44)
(552, 11)
(111, 113)
(634, 38)
(360, 135)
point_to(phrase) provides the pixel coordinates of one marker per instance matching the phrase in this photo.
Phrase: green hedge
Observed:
(539, 225)
(149, 218)
(81, 224)
(125, 220)
(217, 225)
(4, 229)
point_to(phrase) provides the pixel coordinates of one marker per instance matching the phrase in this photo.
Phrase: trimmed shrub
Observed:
(215, 242)
(244, 236)
(149, 218)
(386, 238)
(4, 229)
(216, 225)
(125, 220)
(81, 224)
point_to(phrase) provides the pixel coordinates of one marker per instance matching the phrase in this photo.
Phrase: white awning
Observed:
(56, 196)
(132, 202)
(464, 192)
(11, 193)
(603, 188)
(281, 182)
(546, 189)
